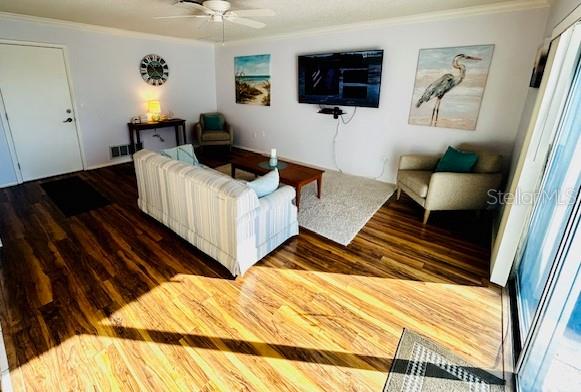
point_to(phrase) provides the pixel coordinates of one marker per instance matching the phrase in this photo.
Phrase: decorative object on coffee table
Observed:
(421, 365)
(273, 159)
(292, 174)
(267, 164)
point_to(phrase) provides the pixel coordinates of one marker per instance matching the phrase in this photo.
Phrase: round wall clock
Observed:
(154, 70)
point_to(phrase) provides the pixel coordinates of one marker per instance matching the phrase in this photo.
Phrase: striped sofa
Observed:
(219, 215)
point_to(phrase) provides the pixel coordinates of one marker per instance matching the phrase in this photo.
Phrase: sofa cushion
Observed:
(213, 122)
(488, 163)
(215, 136)
(456, 161)
(416, 180)
(183, 153)
(265, 185)
(488, 160)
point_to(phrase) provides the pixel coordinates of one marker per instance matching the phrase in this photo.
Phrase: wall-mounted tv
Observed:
(346, 79)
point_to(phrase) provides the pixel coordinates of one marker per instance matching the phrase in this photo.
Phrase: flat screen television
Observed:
(345, 79)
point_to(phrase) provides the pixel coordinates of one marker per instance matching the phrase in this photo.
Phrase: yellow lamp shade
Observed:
(154, 107)
(153, 110)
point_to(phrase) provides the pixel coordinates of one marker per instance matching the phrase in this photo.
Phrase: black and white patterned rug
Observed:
(420, 365)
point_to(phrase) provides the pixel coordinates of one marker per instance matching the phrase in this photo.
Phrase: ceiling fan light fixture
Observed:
(219, 11)
(219, 6)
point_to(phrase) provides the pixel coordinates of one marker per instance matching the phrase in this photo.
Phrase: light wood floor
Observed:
(112, 300)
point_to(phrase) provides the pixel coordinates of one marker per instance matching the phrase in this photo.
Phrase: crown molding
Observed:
(502, 7)
(569, 20)
(100, 29)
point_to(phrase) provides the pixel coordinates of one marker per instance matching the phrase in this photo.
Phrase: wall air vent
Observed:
(122, 150)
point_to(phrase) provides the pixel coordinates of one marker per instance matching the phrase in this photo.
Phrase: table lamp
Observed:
(153, 110)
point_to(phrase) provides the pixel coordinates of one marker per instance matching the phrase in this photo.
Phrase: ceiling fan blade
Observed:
(181, 16)
(245, 22)
(196, 6)
(252, 13)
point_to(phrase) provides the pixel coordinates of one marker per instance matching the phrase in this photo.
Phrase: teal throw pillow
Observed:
(183, 153)
(457, 161)
(265, 185)
(213, 122)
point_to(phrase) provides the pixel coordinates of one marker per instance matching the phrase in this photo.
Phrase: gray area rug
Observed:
(347, 203)
(420, 365)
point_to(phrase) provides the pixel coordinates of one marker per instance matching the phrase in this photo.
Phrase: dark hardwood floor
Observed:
(112, 300)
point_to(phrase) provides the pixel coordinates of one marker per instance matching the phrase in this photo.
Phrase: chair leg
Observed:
(398, 193)
(426, 216)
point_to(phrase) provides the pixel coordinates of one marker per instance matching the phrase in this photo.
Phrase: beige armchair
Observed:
(448, 191)
(213, 137)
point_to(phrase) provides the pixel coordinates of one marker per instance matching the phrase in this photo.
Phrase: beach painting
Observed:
(449, 86)
(252, 78)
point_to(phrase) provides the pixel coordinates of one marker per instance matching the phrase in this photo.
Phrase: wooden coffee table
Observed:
(293, 174)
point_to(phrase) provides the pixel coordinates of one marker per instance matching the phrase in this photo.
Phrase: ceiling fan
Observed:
(220, 10)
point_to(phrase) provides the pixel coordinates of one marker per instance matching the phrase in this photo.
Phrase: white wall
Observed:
(108, 88)
(377, 134)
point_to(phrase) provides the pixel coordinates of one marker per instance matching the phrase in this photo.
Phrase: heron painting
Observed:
(449, 86)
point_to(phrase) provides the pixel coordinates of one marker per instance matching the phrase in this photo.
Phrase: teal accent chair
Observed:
(207, 133)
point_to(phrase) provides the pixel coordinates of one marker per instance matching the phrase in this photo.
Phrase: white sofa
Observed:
(219, 215)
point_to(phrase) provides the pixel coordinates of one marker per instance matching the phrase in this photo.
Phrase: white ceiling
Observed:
(292, 15)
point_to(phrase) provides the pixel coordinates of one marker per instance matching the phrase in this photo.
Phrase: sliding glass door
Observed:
(552, 211)
(552, 359)
(548, 277)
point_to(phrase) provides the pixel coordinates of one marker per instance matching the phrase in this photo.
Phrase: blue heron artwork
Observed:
(449, 86)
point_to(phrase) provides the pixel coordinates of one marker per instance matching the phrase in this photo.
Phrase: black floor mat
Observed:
(73, 195)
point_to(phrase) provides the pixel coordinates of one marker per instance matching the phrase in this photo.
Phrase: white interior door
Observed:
(38, 104)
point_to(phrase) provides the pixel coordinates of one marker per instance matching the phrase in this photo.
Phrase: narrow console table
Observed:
(136, 128)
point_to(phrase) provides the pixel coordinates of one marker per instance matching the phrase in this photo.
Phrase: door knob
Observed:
(68, 120)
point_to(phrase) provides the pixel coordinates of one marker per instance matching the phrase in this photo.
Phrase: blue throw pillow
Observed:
(456, 161)
(183, 153)
(265, 185)
(213, 122)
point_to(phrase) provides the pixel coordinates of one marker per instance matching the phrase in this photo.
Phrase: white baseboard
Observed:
(111, 163)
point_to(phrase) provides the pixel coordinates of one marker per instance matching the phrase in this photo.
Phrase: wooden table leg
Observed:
(184, 133)
(131, 141)
(138, 134)
(176, 128)
(319, 185)
(298, 197)
(233, 168)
